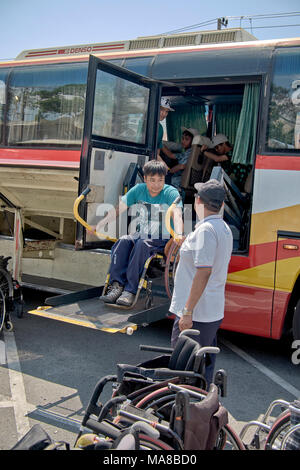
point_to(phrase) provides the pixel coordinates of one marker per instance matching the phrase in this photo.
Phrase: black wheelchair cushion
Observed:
(184, 353)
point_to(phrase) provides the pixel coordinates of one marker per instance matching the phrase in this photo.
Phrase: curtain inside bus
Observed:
(245, 141)
(186, 116)
(227, 120)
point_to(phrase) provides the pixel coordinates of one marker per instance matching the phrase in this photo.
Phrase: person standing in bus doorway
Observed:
(165, 107)
(130, 252)
(199, 288)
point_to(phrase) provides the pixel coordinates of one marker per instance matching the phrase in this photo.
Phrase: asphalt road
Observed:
(48, 370)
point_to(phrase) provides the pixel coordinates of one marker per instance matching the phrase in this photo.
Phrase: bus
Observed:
(86, 116)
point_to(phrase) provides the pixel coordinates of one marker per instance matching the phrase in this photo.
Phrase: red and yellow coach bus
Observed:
(72, 117)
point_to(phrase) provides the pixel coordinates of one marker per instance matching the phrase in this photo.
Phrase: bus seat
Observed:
(236, 237)
(248, 183)
(197, 165)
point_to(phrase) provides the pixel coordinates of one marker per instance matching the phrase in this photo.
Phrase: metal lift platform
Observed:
(84, 308)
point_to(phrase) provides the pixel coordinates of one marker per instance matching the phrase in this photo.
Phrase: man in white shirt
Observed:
(199, 292)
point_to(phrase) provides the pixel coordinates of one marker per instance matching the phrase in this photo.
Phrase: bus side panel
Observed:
(249, 291)
(287, 273)
(256, 301)
(247, 310)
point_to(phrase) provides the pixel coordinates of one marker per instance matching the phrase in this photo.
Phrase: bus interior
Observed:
(229, 107)
(212, 108)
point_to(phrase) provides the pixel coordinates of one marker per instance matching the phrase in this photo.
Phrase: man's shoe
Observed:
(113, 293)
(126, 299)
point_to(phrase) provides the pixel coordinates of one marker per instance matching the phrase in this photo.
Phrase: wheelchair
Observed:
(275, 430)
(161, 264)
(11, 297)
(168, 392)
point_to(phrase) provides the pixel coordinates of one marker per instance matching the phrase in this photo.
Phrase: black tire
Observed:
(229, 440)
(277, 431)
(296, 321)
(2, 309)
(148, 443)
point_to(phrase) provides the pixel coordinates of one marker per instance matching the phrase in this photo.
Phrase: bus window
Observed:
(3, 76)
(46, 105)
(139, 65)
(283, 133)
(120, 109)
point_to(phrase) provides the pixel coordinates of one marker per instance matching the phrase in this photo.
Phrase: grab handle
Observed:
(168, 218)
(77, 201)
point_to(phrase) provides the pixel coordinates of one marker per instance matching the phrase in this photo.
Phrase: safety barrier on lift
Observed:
(84, 308)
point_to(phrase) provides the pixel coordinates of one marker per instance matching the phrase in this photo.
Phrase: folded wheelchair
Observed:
(169, 393)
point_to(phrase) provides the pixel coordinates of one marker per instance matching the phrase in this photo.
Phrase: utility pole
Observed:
(222, 22)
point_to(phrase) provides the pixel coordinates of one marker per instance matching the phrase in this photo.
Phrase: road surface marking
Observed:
(17, 388)
(2, 353)
(263, 369)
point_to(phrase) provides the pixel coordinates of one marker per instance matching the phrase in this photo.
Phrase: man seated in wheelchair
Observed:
(129, 254)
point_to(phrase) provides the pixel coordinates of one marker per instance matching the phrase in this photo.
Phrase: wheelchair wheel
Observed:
(278, 430)
(161, 401)
(2, 309)
(170, 268)
(148, 443)
(4, 283)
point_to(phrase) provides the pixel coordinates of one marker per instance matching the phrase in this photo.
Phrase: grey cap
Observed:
(211, 193)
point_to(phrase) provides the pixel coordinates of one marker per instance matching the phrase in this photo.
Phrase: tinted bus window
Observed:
(120, 109)
(46, 105)
(3, 76)
(283, 133)
(139, 65)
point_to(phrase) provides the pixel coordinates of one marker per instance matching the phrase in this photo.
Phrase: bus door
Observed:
(120, 131)
(286, 273)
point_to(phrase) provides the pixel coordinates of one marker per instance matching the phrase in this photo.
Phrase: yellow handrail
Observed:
(106, 237)
(168, 218)
(83, 222)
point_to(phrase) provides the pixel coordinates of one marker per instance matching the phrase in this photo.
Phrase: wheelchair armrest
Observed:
(144, 347)
(207, 350)
(190, 333)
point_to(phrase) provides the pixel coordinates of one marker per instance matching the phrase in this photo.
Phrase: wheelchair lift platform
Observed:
(84, 308)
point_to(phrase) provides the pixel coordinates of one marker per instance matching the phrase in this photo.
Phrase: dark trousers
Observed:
(128, 256)
(207, 337)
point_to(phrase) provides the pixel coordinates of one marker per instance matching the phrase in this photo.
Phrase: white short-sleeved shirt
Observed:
(209, 245)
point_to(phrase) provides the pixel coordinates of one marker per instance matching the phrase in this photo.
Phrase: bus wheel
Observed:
(296, 321)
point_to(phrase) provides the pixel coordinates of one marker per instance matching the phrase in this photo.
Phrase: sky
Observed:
(34, 24)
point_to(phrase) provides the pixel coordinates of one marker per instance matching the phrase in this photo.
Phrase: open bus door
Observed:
(120, 129)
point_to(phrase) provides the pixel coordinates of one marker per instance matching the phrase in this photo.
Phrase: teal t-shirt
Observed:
(150, 212)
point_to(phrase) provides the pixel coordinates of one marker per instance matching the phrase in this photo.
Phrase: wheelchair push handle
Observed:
(146, 428)
(78, 200)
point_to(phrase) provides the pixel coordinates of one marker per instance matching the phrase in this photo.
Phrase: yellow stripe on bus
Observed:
(264, 226)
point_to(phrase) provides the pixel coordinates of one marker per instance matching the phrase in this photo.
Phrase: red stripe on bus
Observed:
(277, 162)
(44, 54)
(40, 157)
